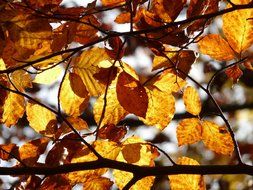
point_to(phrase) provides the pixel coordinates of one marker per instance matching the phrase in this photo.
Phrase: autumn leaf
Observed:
(6, 151)
(169, 82)
(86, 65)
(131, 95)
(48, 76)
(189, 131)
(217, 138)
(13, 109)
(56, 182)
(73, 95)
(112, 132)
(21, 80)
(234, 73)
(216, 47)
(161, 108)
(99, 183)
(114, 112)
(192, 100)
(112, 3)
(134, 151)
(41, 119)
(31, 151)
(187, 181)
(239, 32)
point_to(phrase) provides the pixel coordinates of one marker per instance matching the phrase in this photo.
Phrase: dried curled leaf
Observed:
(217, 138)
(132, 95)
(189, 131)
(187, 181)
(216, 47)
(192, 100)
(73, 96)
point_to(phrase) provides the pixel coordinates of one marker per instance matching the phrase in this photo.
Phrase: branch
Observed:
(141, 171)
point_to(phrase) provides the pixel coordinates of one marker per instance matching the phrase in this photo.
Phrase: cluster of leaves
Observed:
(33, 52)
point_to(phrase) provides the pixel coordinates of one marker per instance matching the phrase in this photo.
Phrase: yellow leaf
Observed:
(169, 82)
(135, 152)
(73, 96)
(30, 151)
(161, 108)
(187, 181)
(41, 119)
(99, 183)
(160, 61)
(86, 65)
(238, 27)
(2, 64)
(106, 149)
(189, 131)
(160, 10)
(48, 76)
(216, 47)
(21, 79)
(13, 109)
(192, 100)
(217, 138)
(77, 122)
(114, 112)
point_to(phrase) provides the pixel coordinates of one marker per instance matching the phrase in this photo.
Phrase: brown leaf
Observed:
(56, 182)
(234, 73)
(112, 132)
(132, 95)
(5, 149)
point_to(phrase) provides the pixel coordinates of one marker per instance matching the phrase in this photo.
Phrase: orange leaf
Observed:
(187, 181)
(99, 183)
(73, 96)
(216, 47)
(217, 138)
(161, 108)
(56, 182)
(189, 131)
(6, 150)
(234, 73)
(192, 101)
(112, 132)
(239, 32)
(112, 3)
(132, 95)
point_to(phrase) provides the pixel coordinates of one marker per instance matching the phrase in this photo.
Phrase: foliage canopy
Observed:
(85, 137)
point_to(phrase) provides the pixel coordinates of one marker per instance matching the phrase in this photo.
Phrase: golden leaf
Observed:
(41, 119)
(217, 138)
(86, 65)
(189, 131)
(112, 2)
(161, 108)
(187, 181)
(73, 96)
(216, 47)
(21, 79)
(238, 27)
(114, 112)
(160, 10)
(13, 109)
(55, 182)
(6, 150)
(134, 151)
(48, 76)
(99, 183)
(77, 122)
(106, 149)
(30, 151)
(192, 100)
(169, 82)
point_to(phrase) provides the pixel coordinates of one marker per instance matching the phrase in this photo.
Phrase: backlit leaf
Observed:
(161, 108)
(234, 73)
(40, 119)
(217, 138)
(100, 183)
(187, 181)
(30, 151)
(112, 132)
(112, 2)
(189, 131)
(192, 100)
(169, 82)
(13, 109)
(131, 95)
(21, 79)
(77, 122)
(134, 151)
(73, 96)
(86, 65)
(216, 47)
(106, 149)
(56, 182)
(114, 112)
(48, 76)
(6, 150)
(239, 32)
